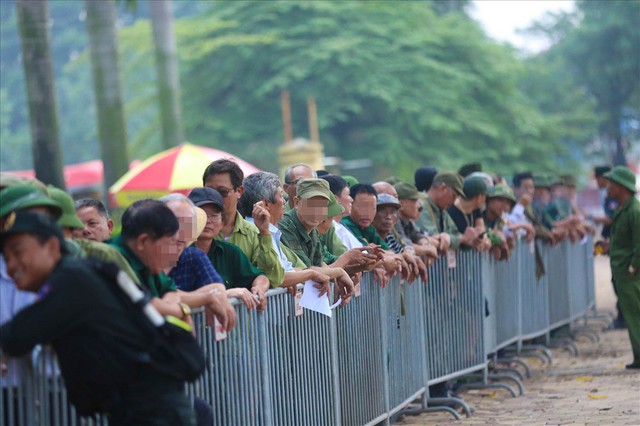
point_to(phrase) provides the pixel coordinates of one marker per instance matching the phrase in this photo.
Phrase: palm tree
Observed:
(168, 79)
(112, 132)
(33, 21)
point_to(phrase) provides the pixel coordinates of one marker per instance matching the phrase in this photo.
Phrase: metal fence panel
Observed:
(361, 357)
(534, 300)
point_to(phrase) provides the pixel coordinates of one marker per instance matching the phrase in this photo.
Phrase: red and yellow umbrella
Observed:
(177, 169)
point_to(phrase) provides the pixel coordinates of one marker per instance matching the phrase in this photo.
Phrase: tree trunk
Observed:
(112, 128)
(613, 127)
(33, 20)
(168, 79)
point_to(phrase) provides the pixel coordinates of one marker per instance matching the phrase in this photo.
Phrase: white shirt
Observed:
(346, 236)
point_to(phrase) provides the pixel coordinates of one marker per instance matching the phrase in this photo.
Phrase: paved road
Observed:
(592, 388)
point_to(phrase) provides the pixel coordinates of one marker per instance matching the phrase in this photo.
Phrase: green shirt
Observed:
(106, 253)
(430, 219)
(258, 248)
(332, 245)
(557, 210)
(233, 265)
(307, 246)
(156, 284)
(366, 235)
(625, 239)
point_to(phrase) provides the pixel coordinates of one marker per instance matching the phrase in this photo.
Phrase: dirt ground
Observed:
(592, 388)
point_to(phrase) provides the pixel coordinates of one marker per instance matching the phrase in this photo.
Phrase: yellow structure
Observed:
(300, 151)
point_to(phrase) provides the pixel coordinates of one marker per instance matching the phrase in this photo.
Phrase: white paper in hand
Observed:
(311, 299)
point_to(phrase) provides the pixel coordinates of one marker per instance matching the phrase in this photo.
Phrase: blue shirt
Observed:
(194, 270)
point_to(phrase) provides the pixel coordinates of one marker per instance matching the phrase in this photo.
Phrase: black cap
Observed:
(25, 222)
(205, 195)
(467, 169)
(601, 170)
(424, 177)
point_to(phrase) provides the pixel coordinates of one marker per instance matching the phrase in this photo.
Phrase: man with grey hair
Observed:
(263, 189)
(193, 272)
(294, 174)
(97, 224)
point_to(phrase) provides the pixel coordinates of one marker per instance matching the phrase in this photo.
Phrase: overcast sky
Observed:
(501, 18)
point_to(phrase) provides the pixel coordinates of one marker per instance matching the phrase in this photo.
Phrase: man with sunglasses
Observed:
(225, 176)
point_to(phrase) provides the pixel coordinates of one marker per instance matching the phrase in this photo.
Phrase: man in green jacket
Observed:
(625, 252)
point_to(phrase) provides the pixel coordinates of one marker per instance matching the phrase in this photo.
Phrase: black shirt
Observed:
(87, 326)
(463, 220)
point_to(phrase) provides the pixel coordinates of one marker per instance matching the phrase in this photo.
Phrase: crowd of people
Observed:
(238, 236)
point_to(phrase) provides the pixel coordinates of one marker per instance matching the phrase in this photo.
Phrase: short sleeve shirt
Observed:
(194, 270)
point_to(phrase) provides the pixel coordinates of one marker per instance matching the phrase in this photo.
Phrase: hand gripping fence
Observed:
(370, 361)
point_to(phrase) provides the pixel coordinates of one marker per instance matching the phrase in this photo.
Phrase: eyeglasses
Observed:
(214, 217)
(224, 192)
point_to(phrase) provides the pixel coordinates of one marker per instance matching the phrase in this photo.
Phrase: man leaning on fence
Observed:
(625, 252)
(87, 326)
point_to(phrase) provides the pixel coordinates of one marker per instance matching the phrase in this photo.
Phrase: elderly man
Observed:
(410, 207)
(500, 201)
(254, 239)
(625, 252)
(95, 217)
(292, 176)
(435, 219)
(149, 242)
(299, 231)
(262, 191)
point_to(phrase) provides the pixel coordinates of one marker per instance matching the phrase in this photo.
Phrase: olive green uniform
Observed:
(625, 252)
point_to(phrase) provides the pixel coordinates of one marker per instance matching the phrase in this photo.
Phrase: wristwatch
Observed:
(186, 310)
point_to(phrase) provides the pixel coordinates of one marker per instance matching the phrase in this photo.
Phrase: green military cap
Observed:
(313, 187)
(22, 196)
(25, 222)
(69, 218)
(622, 176)
(501, 191)
(567, 180)
(541, 181)
(408, 191)
(452, 180)
(335, 208)
(350, 180)
(474, 186)
(387, 200)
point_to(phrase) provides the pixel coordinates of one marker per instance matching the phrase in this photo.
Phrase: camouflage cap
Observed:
(387, 200)
(313, 187)
(452, 179)
(407, 191)
(502, 191)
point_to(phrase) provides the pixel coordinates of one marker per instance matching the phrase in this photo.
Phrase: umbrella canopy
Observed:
(177, 169)
(81, 175)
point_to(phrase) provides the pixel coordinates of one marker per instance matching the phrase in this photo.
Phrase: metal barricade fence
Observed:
(404, 312)
(362, 357)
(454, 318)
(365, 363)
(534, 297)
(558, 290)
